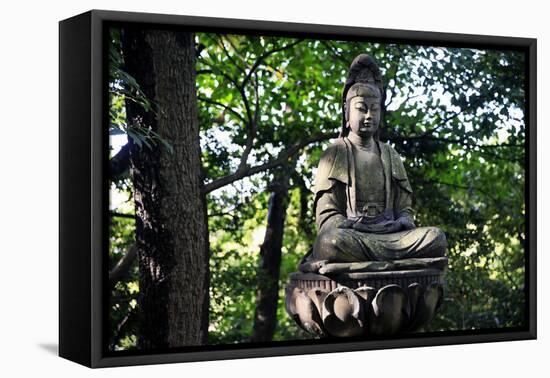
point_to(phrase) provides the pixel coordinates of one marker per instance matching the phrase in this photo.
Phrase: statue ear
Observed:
(345, 109)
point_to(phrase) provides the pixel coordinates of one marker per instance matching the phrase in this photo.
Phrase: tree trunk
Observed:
(267, 296)
(171, 227)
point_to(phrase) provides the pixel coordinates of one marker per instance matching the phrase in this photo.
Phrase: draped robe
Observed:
(335, 201)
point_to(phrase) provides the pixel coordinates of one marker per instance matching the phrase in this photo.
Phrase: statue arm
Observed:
(330, 198)
(331, 207)
(402, 203)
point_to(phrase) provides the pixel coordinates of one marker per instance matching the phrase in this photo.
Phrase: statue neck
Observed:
(363, 143)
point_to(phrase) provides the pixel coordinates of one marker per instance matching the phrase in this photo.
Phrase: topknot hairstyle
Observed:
(363, 70)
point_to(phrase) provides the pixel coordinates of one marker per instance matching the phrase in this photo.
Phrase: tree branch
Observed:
(463, 187)
(214, 70)
(262, 57)
(237, 51)
(461, 142)
(473, 103)
(240, 88)
(343, 60)
(122, 215)
(220, 40)
(123, 323)
(120, 163)
(228, 108)
(123, 265)
(252, 125)
(441, 123)
(281, 158)
(393, 88)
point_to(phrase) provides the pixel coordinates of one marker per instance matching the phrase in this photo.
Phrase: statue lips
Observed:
(366, 126)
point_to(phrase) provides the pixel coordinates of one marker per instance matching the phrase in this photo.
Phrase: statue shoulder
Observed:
(390, 149)
(338, 144)
(332, 150)
(332, 166)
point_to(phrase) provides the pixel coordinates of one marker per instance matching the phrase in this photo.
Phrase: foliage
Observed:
(123, 87)
(123, 299)
(455, 115)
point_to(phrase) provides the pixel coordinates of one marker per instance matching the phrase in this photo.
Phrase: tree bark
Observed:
(267, 295)
(171, 227)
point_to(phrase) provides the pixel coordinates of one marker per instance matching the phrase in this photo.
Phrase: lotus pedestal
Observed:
(366, 303)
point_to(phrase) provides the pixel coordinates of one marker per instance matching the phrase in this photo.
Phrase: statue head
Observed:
(362, 110)
(362, 96)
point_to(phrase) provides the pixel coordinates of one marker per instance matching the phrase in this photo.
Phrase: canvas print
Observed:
(288, 189)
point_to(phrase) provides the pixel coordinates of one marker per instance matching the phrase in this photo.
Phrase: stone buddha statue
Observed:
(363, 204)
(371, 271)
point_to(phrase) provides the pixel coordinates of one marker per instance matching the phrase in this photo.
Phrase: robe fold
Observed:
(335, 201)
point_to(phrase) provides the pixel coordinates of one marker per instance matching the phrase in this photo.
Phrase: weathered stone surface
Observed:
(323, 267)
(363, 197)
(376, 280)
(390, 311)
(427, 305)
(302, 309)
(327, 308)
(371, 271)
(342, 313)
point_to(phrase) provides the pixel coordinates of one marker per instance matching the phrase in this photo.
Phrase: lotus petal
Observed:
(427, 305)
(390, 311)
(414, 291)
(302, 309)
(318, 295)
(342, 313)
(366, 293)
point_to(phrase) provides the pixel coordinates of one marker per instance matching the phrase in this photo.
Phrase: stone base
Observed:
(367, 303)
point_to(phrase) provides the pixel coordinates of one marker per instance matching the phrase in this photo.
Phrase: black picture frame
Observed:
(83, 195)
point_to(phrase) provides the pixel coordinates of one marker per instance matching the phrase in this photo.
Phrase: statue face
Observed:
(364, 115)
